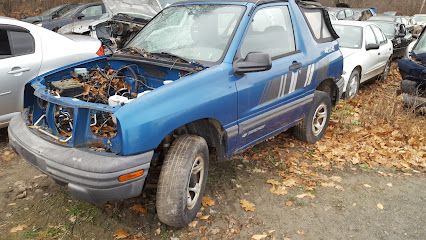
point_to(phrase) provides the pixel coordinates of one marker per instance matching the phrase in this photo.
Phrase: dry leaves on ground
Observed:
(247, 206)
(370, 131)
(121, 234)
(139, 209)
(207, 201)
(18, 228)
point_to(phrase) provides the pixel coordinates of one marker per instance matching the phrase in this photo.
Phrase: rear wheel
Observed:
(353, 84)
(313, 126)
(182, 181)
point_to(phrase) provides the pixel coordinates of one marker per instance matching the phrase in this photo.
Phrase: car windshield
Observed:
(71, 12)
(420, 45)
(388, 29)
(383, 18)
(51, 11)
(199, 33)
(350, 36)
(419, 18)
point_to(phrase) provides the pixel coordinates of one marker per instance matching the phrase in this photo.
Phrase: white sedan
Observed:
(27, 51)
(366, 52)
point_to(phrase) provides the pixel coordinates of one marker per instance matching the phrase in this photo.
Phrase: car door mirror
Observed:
(402, 31)
(372, 46)
(80, 16)
(253, 62)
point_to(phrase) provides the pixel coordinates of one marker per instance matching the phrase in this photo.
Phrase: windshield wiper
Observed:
(171, 55)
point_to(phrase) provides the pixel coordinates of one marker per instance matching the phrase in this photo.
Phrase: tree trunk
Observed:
(423, 5)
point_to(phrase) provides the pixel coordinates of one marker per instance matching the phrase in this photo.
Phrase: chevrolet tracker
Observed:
(200, 82)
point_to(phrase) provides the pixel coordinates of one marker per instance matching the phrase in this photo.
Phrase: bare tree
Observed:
(423, 5)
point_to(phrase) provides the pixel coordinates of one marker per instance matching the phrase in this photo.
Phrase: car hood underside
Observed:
(143, 8)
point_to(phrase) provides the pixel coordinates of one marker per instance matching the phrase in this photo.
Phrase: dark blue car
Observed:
(200, 82)
(413, 72)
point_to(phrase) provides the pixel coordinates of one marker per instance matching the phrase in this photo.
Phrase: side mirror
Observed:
(372, 46)
(402, 31)
(80, 16)
(254, 62)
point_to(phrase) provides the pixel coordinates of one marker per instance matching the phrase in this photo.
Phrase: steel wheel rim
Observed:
(195, 181)
(320, 118)
(353, 86)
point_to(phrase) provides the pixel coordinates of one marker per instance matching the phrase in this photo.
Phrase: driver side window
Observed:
(270, 31)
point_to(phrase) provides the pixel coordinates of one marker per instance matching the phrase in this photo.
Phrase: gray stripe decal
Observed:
(281, 87)
(232, 131)
(294, 76)
(308, 75)
(264, 117)
(311, 75)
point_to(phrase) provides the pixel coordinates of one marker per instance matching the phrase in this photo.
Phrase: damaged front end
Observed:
(75, 106)
(413, 86)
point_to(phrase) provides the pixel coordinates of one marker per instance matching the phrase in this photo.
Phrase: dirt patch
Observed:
(363, 181)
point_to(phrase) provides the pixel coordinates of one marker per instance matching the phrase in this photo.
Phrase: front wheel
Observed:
(353, 84)
(313, 126)
(182, 181)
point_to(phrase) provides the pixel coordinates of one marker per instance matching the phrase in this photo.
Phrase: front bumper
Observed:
(89, 176)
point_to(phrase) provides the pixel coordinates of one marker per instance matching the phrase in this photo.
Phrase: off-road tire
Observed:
(355, 73)
(172, 190)
(304, 130)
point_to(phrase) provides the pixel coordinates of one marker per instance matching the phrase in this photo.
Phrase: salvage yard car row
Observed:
(176, 95)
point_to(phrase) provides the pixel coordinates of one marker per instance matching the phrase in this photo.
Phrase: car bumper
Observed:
(89, 176)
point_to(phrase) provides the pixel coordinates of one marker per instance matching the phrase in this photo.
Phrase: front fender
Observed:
(145, 122)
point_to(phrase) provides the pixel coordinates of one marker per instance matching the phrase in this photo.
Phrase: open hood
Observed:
(141, 8)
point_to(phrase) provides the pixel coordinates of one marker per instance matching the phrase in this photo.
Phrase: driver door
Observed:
(265, 99)
(20, 62)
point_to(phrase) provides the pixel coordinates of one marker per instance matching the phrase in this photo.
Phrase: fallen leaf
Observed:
(193, 224)
(207, 201)
(278, 190)
(205, 217)
(300, 232)
(289, 203)
(247, 206)
(72, 219)
(367, 186)
(273, 182)
(336, 179)
(389, 184)
(380, 206)
(139, 209)
(121, 234)
(290, 182)
(328, 184)
(18, 228)
(259, 236)
(158, 231)
(303, 195)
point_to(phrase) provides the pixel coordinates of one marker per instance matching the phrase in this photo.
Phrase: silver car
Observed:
(27, 51)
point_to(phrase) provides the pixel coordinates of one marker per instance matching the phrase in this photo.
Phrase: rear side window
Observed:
(317, 24)
(4, 45)
(21, 43)
(349, 13)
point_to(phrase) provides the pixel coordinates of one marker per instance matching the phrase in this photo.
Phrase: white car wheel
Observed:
(353, 84)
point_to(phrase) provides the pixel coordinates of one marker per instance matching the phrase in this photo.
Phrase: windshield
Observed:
(420, 18)
(420, 45)
(350, 36)
(196, 32)
(387, 28)
(71, 12)
(382, 18)
(51, 11)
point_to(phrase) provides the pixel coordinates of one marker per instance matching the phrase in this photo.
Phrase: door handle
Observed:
(17, 70)
(378, 54)
(295, 66)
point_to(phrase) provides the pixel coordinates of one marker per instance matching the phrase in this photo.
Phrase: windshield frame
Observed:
(231, 37)
(351, 26)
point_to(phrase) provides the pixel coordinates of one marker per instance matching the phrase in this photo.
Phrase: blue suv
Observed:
(200, 82)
